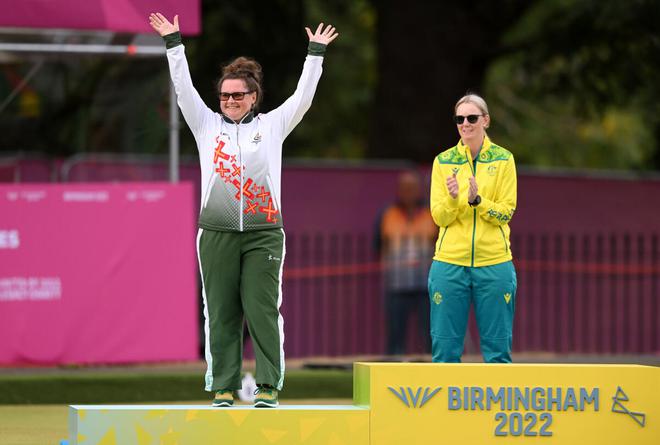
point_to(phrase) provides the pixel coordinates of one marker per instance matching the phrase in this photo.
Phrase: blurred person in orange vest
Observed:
(405, 235)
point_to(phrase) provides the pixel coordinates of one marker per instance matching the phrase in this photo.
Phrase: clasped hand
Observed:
(452, 187)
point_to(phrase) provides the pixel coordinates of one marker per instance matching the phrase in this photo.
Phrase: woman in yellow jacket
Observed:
(473, 197)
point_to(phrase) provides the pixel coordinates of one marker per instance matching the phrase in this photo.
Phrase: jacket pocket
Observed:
(506, 246)
(272, 192)
(442, 238)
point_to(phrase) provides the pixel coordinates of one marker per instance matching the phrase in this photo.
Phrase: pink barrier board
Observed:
(97, 273)
(108, 15)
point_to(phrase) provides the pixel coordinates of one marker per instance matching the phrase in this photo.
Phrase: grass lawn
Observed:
(107, 387)
(33, 406)
(33, 424)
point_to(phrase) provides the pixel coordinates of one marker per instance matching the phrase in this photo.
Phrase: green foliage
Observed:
(569, 82)
(336, 124)
(90, 105)
(273, 33)
(578, 85)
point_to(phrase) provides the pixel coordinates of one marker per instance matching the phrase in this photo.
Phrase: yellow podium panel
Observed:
(509, 403)
(402, 403)
(197, 425)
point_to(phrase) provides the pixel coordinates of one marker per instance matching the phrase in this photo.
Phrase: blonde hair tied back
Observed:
(476, 100)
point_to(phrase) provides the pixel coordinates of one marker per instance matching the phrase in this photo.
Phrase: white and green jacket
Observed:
(241, 162)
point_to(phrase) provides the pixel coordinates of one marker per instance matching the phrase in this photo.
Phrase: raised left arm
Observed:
(291, 112)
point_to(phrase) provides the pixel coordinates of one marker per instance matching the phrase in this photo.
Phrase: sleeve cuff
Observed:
(484, 206)
(172, 40)
(453, 202)
(316, 49)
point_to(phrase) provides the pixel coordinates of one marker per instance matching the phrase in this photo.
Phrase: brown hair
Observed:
(247, 70)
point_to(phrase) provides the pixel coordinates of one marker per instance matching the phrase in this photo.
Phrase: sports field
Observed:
(33, 424)
(33, 402)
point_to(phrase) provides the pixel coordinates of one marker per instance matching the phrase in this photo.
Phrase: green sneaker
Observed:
(265, 397)
(224, 397)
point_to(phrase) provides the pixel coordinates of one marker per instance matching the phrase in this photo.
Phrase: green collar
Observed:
(465, 149)
(246, 119)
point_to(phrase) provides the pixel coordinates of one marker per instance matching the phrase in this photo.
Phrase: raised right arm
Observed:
(444, 208)
(193, 108)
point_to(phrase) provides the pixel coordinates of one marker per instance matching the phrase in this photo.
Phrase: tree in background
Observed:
(118, 105)
(569, 82)
(337, 127)
(273, 33)
(578, 85)
(429, 55)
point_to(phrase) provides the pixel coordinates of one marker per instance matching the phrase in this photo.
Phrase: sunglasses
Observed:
(472, 118)
(240, 95)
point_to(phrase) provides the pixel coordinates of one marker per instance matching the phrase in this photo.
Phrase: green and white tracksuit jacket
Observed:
(240, 242)
(241, 163)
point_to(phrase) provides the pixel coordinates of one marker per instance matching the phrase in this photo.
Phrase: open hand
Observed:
(322, 36)
(163, 26)
(473, 191)
(452, 186)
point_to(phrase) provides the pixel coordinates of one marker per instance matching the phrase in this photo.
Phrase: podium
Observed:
(510, 403)
(397, 403)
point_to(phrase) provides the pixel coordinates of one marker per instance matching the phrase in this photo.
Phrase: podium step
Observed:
(410, 404)
(203, 425)
(481, 404)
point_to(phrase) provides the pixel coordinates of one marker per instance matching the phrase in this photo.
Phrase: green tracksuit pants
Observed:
(242, 279)
(452, 289)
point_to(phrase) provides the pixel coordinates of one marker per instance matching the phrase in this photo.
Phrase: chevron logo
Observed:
(617, 407)
(415, 399)
(507, 297)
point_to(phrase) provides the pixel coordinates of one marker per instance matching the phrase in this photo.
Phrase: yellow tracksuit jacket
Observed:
(474, 236)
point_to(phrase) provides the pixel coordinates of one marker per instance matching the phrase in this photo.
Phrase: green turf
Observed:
(33, 425)
(131, 388)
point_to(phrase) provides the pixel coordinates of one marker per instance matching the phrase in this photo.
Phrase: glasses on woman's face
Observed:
(472, 118)
(239, 95)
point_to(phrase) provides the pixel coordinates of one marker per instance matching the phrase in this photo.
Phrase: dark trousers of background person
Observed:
(400, 305)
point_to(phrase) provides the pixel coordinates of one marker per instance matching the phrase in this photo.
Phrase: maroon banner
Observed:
(108, 15)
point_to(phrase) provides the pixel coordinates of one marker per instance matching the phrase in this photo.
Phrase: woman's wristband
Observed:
(316, 49)
(172, 40)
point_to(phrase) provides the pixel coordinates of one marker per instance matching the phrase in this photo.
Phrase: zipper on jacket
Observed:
(506, 247)
(474, 230)
(474, 217)
(240, 166)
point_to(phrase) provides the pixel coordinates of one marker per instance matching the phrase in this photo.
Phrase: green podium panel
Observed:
(509, 403)
(204, 425)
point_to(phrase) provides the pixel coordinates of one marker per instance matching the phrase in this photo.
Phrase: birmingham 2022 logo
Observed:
(414, 399)
(523, 411)
(617, 407)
